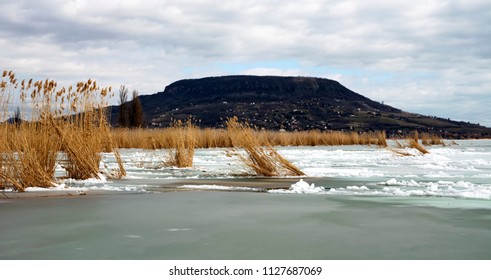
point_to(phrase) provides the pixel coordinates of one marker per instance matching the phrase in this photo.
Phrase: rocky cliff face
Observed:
(290, 103)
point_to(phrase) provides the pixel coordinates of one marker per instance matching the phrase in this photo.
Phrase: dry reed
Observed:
(29, 150)
(400, 152)
(185, 141)
(85, 133)
(263, 160)
(66, 120)
(431, 139)
(165, 138)
(381, 139)
(414, 143)
(411, 142)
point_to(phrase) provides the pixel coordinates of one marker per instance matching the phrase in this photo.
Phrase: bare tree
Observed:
(136, 116)
(17, 119)
(124, 120)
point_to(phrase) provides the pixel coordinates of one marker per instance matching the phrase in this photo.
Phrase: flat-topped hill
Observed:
(290, 103)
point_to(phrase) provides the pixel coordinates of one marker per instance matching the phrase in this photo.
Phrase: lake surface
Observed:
(357, 203)
(233, 225)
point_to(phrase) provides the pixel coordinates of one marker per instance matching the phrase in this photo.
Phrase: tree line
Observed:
(130, 112)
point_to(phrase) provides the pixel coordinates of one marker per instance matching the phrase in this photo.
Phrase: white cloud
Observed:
(272, 72)
(429, 57)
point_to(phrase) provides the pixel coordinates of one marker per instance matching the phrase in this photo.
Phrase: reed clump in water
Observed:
(185, 141)
(28, 148)
(29, 158)
(72, 122)
(431, 139)
(381, 137)
(263, 160)
(85, 134)
(414, 143)
(411, 142)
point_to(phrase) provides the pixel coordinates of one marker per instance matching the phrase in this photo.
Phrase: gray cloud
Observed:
(426, 57)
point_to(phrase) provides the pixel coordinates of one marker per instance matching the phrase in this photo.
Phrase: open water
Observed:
(357, 203)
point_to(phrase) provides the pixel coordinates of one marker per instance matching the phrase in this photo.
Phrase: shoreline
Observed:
(167, 185)
(57, 193)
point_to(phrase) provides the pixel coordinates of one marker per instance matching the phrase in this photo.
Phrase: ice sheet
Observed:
(458, 171)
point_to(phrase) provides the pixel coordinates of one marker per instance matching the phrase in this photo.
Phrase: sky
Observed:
(431, 57)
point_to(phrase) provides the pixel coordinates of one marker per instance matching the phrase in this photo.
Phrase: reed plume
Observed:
(67, 120)
(28, 149)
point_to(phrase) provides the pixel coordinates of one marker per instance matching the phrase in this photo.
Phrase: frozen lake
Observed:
(461, 171)
(357, 202)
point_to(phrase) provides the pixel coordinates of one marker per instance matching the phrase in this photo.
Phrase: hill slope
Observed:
(290, 103)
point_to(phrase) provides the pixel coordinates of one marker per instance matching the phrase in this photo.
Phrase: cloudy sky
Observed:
(425, 56)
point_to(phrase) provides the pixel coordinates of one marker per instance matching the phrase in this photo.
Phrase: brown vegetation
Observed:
(29, 156)
(67, 120)
(183, 151)
(414, 143)
(411, 142)
(263, 160)
(130, 113)
(28, 149)
(431, 139)
(165, 138)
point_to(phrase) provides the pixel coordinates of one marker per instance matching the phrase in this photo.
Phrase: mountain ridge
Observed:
(289, 103)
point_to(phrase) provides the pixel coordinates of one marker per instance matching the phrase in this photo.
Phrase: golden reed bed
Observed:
(164, 138)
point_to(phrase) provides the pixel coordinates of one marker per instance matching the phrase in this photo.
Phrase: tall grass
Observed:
(263, 160)
(431, 139)
(30, 159)
(66, 120)
(381, 139)
(212, 138)
(185, 140)
(84, 134)
(411, 142)
(29, 150)
(165, 138)
(414, 143)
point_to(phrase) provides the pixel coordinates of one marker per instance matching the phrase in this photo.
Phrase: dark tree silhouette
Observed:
(124, 112)
(136, 116)
(17, 119)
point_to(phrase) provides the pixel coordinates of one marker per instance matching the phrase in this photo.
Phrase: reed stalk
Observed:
(183, 151)
(165, 138)
(263, 160)
(381, 139)
(29, 150)
(67, 120)
(431, 139)
(414, 143)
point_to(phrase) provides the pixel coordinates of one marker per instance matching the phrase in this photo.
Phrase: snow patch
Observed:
(301, 187)
(91, 181)
(356, 188)
(178, 229)
(217, 187)
(395, 182)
